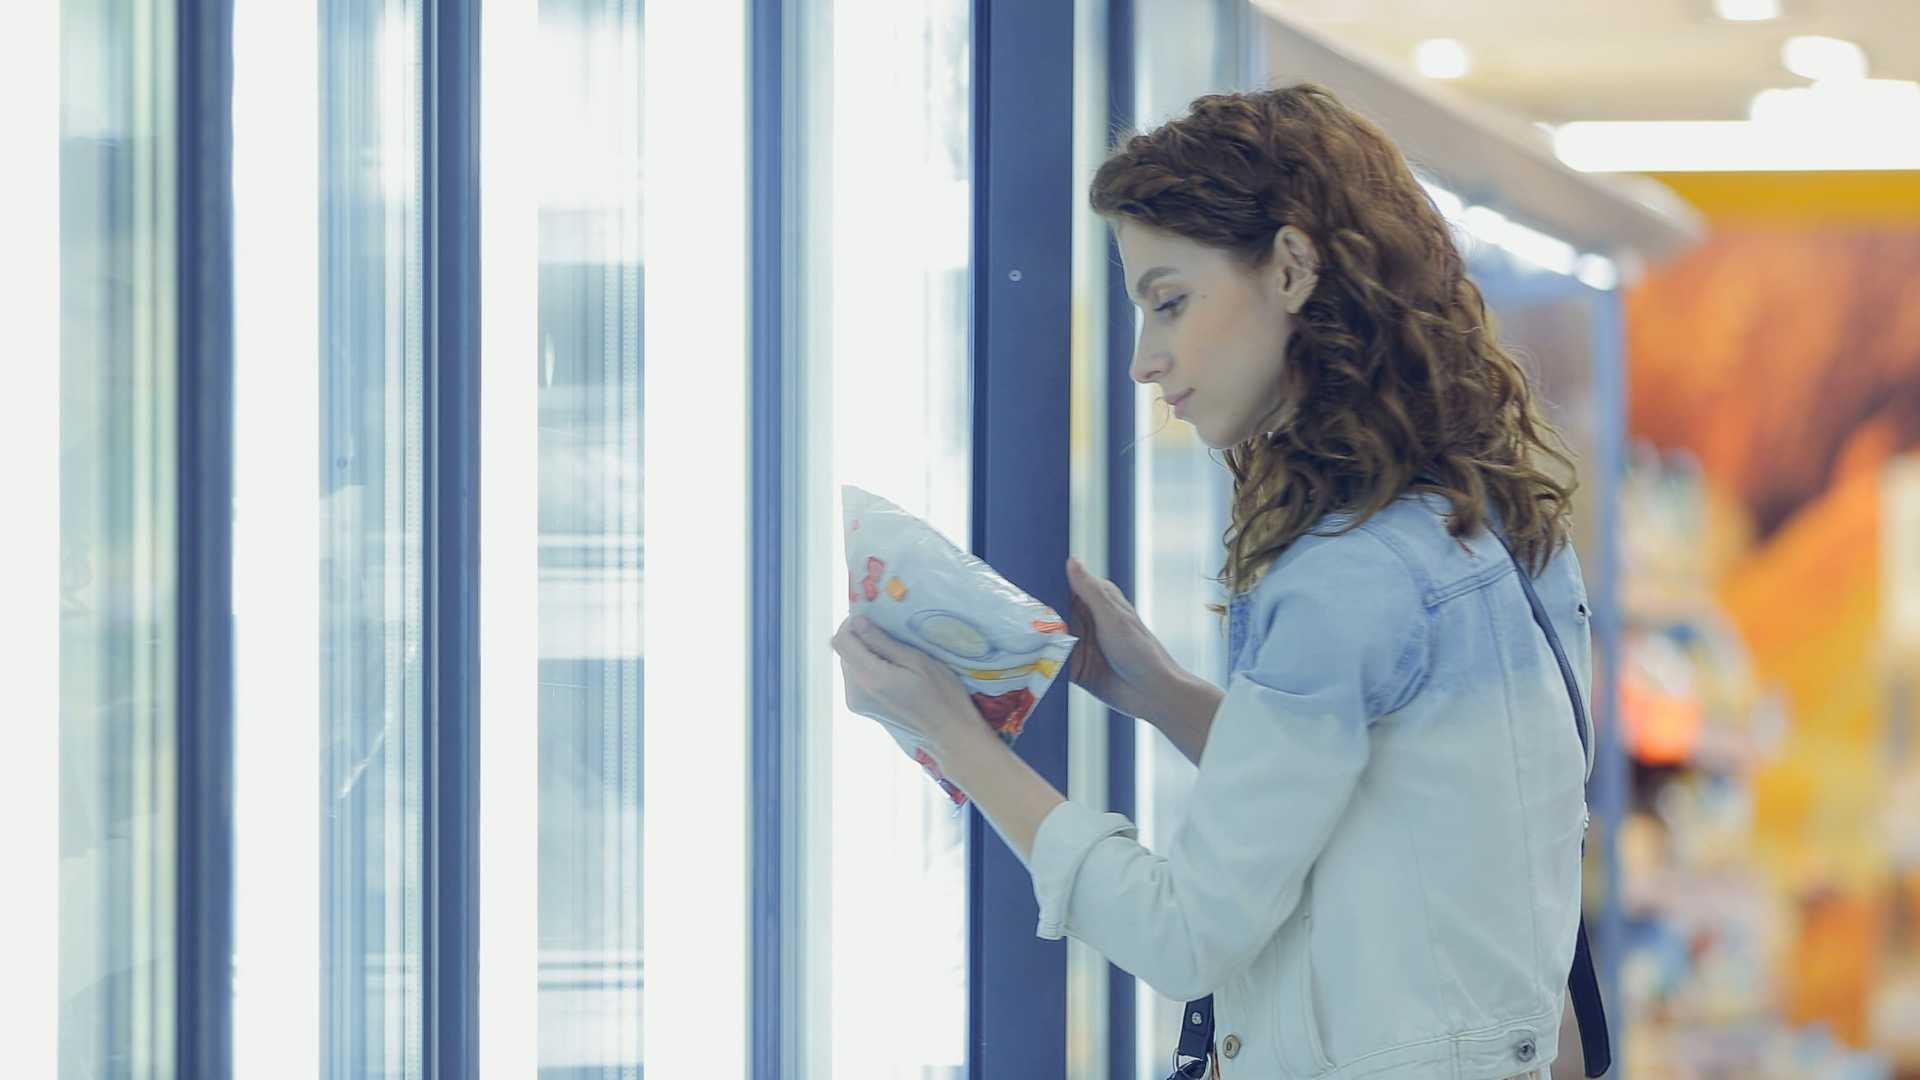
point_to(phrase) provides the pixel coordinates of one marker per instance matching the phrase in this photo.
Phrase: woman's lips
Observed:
(1178, 402)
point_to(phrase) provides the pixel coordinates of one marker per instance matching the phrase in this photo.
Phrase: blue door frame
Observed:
(203, 1013)
(205, 686)
(1022, 294)
(1609, 793)
(451, 149)
(773, 480)
(1122, 551)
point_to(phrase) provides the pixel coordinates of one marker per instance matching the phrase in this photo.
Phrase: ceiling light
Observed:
(1529, 245)
(1811, 56)
(1869, 106)
(1730, 146)
(1747, 10)
(1485, 225)
(1442, 58)
(1780, 106)
(1596, 272)
(1873, 105)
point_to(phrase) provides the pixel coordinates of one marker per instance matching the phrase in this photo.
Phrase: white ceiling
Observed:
(1561, 60)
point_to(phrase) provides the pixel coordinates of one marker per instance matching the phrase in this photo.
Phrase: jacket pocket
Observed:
(1309, 1013)
(1288, 985)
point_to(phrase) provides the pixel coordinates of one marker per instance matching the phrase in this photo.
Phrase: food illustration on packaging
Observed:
(1003, 645)
(1042, 666)
(1006, 713)
(867, 586)
(926, 762)
(952, 634)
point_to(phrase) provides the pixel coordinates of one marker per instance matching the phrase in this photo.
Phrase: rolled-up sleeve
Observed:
(1346, 643)
(1067, 836)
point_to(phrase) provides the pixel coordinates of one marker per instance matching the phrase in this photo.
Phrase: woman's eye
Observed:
(1171, 305)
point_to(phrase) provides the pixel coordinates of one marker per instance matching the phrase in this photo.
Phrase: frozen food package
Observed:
(1005, 646)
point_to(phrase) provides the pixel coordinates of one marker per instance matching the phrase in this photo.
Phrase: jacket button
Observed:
(1525, 1050)
(1231, 1046)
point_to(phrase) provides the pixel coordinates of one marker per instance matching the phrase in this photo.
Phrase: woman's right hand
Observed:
(1117, 659)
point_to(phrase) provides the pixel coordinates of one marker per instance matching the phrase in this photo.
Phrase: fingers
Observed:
(856, 656)
(1078, 580)
(881, 643)
(1082, 623)
(1083, 585)
(844, 640)
(1090, 588)
(850, 651)
(857, 664)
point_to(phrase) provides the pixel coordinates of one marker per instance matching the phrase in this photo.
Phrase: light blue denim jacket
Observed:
(1378, 874)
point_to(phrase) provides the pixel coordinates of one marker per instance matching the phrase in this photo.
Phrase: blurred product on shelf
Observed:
(1894, 1013)
(1716, 944)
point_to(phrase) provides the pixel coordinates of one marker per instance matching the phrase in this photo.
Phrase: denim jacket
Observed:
(1378, 874)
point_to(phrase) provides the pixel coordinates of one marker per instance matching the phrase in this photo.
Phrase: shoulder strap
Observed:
(1196, 1040)
(1582, 984)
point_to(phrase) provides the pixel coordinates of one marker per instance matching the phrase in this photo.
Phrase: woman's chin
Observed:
(1223, 433)
(1210, 437)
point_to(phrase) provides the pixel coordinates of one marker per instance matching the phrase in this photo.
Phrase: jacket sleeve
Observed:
(1346, 643)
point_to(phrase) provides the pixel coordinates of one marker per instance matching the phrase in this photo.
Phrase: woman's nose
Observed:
(1146, 367)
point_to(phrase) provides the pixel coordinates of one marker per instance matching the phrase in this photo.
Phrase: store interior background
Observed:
(1770, 582)
(1725, 323)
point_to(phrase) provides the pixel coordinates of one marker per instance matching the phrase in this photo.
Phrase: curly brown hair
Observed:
(1393, 380)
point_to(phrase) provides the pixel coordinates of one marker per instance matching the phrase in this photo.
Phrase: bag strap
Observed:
(1583, 984)
(1196, 1040)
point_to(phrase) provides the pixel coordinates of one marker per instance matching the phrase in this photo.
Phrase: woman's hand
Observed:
(1117, 659)
(900, 686)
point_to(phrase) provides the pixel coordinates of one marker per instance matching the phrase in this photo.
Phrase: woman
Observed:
(1379, 870)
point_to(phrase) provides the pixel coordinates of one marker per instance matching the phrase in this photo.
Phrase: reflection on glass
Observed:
(1092, 376)
(590, 537)
(117, 528)
(1183, 49)
(1181, 508)
(371, 426)
(887, 223)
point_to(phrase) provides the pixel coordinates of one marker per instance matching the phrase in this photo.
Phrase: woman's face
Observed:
(1214, 333)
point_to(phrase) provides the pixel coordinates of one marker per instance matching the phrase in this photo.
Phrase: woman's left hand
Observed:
(893, 682)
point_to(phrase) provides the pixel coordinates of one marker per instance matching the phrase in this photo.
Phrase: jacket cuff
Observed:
(1060, 847)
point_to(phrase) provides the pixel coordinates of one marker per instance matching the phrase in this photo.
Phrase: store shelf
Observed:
(1725, 748)
(1706, 898)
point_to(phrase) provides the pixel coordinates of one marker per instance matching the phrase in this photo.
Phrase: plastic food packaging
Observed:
(912, 582)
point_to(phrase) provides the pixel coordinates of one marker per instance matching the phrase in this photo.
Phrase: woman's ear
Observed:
(1296, 267)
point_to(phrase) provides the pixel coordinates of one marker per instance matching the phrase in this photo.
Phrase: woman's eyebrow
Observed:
(1148, 278)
